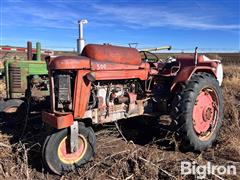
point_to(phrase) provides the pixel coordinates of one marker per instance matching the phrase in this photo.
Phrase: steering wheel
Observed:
(150, 57)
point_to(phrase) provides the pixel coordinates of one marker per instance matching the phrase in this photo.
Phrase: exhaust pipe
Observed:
(38, 51)
(80, 40)
(29, 51)
(196, 56)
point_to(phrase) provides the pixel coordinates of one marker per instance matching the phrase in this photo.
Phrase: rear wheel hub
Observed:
(207, 113)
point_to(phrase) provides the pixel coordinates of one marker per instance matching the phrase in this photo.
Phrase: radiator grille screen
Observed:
(15, 76)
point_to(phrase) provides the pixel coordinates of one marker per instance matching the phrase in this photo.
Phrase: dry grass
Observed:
(231, 90)
(2, 89)
(230, 134)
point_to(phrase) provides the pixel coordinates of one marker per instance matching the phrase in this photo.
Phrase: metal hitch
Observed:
(74, 137)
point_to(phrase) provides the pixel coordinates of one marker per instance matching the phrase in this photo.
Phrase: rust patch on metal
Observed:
(81, 93)
(58, 122)
(70, 62)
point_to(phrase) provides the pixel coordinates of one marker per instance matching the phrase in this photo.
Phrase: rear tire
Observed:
(197, 111)
(56, 155)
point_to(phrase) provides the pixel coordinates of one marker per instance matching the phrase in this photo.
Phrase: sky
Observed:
(212, 25)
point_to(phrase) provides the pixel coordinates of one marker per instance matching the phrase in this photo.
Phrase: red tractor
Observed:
(108, 83)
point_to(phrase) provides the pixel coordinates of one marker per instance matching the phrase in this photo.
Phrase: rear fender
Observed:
(186, 73)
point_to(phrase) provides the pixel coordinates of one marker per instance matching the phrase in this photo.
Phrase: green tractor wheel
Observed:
(13, 111)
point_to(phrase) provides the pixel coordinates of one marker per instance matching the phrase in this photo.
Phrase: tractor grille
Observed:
(63, 87)
(15, 76)
(63, 91)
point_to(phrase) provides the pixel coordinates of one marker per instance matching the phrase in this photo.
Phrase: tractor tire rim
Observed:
(10, 109)
(205, 113)
(66, 156)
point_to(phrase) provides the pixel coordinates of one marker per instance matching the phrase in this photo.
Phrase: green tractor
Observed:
(26, 83)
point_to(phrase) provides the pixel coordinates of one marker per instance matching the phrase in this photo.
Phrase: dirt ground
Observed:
(150, 151)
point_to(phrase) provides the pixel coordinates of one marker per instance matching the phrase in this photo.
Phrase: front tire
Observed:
(197, 111)
(56, 150)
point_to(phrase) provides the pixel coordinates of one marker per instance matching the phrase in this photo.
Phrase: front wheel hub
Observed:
(65, 154)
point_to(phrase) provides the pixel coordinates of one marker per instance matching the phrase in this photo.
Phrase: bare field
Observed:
(150, 152)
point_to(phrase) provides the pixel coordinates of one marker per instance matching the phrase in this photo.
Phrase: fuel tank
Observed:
(115, 54)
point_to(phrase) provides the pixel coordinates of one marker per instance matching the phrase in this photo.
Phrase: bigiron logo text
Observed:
(201, 171)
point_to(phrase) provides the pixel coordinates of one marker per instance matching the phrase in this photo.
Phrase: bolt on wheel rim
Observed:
(205, 113)
(10, 109)
(65, 154)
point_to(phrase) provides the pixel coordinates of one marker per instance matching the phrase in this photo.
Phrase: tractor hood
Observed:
(99, 54)
(69, 62)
